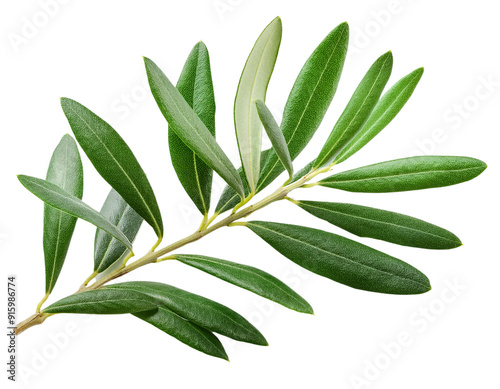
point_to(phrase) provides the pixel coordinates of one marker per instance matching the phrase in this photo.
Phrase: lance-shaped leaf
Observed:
(189, 127)
(199, 310)
(107, 250)
(386, 109)
(195, 85)
(229, 198)
(249, 278)
(114, 161)
(104, 302)
(253, 86)
(56, 197)
(362, 102)
(407, 174)
(380, 224)
(188, 333)
(273, 130)
(309, 98)
(66, 171)
(341, 259)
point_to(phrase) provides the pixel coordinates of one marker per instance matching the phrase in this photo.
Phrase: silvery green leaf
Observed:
(66, 171)
(253, 86)
(57, 198)
(107, 250)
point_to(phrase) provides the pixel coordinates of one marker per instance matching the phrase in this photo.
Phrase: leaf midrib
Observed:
(307, 106)
(379, 221)
(249, 272)
(153, 218)
(339, 256)
(399, 175)
(356, 114)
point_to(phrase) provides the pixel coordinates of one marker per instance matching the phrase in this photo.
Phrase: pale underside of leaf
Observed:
(58, 198)
(253, 86)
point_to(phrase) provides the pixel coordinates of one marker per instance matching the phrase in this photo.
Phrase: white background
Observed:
(92, 51)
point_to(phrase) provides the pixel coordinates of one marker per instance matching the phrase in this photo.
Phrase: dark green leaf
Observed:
(386, 109)
(114, 161)
(107, 250)
(189, 127)
(104, 302)
(309, 98)
(66, 171)
(185, 331)
(229, 198)
(253, 86)
(341, 259)
(407, 174)
(62, 200)
(358, 109)
(385, 225)
(197, 309)
(195, 85)
(278, 141)
(250, 278)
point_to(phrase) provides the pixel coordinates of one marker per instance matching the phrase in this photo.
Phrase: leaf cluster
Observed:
(189, 109)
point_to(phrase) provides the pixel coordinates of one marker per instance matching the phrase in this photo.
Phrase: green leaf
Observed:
(62, 200)
(189, 127)
(229, 198)
(114, 161)
(341, 259)
(199, 310)
(309, 98)
(253, 86)
(278, 141)
(386, 109)
(302, 172)
(188, 333)
(407, 174)
(195, 85)
(358, 109)
(103, 302)
(249, 278)
(107, 250)
(66, 171)
(380, 224)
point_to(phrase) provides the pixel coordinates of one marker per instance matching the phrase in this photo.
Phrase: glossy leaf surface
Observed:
(407, 174)
(114, 161)
(195, 85)
(103, 302)
(380, 224)
(358, 109)
(341, 259)
(183, 330)
(189, 127)
(309, 98)
(200, 310)
(386, 109)
(249, 278)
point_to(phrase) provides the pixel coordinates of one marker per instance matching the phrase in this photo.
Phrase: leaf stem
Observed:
(90, 278)
(153, 256)
(39, 306)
